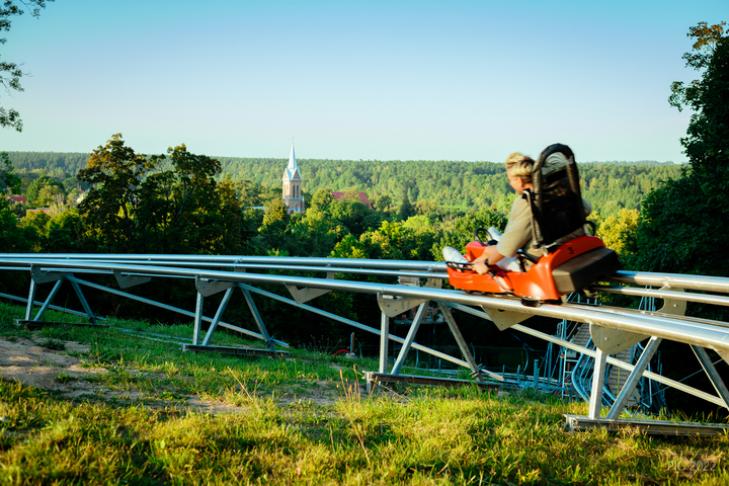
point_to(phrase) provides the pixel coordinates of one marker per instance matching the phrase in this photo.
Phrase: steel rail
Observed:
(678, 385)
(416, 265)
(666, 280)
(637, 312)
(669, 328)
(665, 294)
(256, 266)
(674, 280)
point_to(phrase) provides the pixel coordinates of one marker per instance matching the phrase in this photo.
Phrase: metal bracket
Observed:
(393, 306)
(305, 294)
(43, 276)
(435, 283)
(505, 319)
(411, 281)
(125, 281)
(208, 287)
(612, 341)
(673, 307)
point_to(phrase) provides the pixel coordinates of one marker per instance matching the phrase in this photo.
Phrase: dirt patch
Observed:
(36, 365)
(33, 364)
(47, 365)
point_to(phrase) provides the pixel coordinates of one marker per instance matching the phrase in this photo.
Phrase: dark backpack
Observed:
(556, 200)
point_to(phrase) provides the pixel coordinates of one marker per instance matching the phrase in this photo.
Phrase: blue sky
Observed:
(355, 80)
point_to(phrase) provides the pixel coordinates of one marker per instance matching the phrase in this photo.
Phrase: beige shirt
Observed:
(518, 231)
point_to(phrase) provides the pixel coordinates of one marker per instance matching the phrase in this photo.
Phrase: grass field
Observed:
(108, 407)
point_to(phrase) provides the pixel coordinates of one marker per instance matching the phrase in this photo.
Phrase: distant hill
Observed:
(441, 185)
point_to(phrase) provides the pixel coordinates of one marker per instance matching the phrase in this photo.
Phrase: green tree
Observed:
(114, 172)
(682, 222)
(10, 72)
(617, 231)
(44, 191)
(162, 203)
(9, 181)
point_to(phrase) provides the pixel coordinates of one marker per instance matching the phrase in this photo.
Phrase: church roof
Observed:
(292, 170)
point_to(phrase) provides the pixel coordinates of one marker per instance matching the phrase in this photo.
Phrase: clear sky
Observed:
(373, 79)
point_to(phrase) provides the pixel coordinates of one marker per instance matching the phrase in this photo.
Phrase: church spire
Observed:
(292, 170)
(291, 191)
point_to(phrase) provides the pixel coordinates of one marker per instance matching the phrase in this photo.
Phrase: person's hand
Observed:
(480, 267)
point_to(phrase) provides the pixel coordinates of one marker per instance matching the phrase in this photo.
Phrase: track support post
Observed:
(460, 340)
(414, 326)
(384, 334)
(598, 380)
(84, 302)
(31, 298)
(711, 372)
(218, 316)
(198, 319)
(48, 300)
(634, 377)
(257, 317)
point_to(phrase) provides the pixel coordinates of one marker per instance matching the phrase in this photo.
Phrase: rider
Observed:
(518, 232)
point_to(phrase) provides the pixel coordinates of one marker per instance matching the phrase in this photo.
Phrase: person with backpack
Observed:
(519, 232)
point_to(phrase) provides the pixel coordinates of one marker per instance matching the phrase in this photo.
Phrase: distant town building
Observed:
(47, 211)
(356, 196)
(17, 198)
(292, 197)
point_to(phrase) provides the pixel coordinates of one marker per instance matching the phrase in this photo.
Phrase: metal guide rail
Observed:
(419, 283)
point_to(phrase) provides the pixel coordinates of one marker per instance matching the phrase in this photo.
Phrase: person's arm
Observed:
(516, 234)
(491, 255)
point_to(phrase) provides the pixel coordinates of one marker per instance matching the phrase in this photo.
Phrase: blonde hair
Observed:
(519, 165)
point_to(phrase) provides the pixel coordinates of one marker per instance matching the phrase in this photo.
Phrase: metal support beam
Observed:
(649, 427)
(592, 353)
(358, 325)
(598, 380)
(632, 381)
(58, 308)
(711, 372)
(462, 345)
(168, 307)
(218, 316)
(197, 327)
(84, 303)
(48, 300)
(384, 333)
(31, 298)
(126, 281)
(414, 326)
(257, 317)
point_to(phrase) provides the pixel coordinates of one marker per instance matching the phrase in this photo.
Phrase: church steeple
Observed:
(292, 170)
(291, 190)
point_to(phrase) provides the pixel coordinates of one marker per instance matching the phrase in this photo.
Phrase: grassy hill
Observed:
(113, 406)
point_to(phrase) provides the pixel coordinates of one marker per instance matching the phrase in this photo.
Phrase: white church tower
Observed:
(292, 197)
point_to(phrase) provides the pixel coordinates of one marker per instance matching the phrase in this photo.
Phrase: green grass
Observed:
(302, 420)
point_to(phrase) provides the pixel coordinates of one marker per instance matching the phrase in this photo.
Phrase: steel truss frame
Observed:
(612, 329)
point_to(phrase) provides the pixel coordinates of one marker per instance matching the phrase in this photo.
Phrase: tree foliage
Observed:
(10, 72)
(682, 226)
(9, 180)
(162, 203)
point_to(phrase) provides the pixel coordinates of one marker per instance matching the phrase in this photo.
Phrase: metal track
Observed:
(611, 327)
